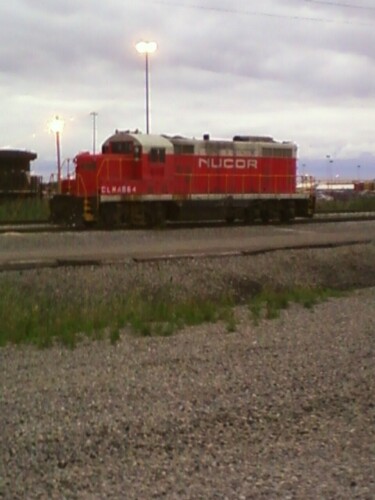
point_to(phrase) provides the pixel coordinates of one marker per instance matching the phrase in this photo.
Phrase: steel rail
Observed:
(37, 227)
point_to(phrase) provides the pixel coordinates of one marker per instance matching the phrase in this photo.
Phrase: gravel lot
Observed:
(282, 409)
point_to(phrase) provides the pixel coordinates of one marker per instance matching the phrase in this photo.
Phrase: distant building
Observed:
(362, 186)
(335, 185)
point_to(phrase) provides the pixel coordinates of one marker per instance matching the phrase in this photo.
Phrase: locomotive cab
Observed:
(122, 143)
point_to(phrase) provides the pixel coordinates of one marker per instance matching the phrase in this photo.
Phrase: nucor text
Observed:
(221, 162)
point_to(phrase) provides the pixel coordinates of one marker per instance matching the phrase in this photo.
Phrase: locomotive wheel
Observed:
(286, 213)
(285, 216)
(155, 215)
(75, 219)
(265, 215)
(109, 216)
(230, 215)
(250, 215)
(137, 215)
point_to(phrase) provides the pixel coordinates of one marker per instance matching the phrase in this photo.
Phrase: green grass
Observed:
(41, 319)
(352, 204)
(269, 303)
(29, 209)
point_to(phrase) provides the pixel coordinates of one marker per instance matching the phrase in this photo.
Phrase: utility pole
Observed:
(94, 114)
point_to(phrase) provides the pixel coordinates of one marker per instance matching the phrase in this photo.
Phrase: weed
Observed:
(40, 319)
(256, 306)
(114, 335)
(269, 303)
(231, 324)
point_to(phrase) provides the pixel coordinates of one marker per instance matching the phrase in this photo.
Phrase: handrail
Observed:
(80, 178)
(105, 163)
(226, 177)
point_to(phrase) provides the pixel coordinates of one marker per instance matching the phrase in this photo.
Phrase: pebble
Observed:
(279, 409)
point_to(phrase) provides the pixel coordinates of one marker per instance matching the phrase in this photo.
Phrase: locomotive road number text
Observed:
(118, 189)
(240, 163)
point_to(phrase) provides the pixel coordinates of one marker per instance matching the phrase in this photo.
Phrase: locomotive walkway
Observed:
(27, 251)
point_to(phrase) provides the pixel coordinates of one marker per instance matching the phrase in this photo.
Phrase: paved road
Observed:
(16, 248)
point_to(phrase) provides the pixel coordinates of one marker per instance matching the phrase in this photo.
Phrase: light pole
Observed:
(94, 114)
(57, 126)
(329, 173)
(146, 48)
(359, 172)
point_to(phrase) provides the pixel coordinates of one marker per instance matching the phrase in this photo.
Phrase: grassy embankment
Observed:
(28, 318)
(23, 210)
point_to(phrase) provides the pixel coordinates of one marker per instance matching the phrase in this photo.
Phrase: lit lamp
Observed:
(147, 48)
(57, 126)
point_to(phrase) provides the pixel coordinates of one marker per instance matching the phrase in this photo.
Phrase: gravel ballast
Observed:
(279, 409)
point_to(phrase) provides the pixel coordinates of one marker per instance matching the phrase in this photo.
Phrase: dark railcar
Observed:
(15, 177)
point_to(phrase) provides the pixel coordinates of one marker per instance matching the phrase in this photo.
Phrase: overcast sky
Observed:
(298, 70)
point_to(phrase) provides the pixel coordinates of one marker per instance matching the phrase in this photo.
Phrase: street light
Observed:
(57, 126)
(146, 48)
(94, 114)
(330, 161)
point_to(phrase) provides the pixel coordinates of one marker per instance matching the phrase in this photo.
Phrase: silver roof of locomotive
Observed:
(206, 145)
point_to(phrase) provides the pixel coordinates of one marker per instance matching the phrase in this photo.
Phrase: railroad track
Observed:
(48, 250)
(37, 226)
(43, 263)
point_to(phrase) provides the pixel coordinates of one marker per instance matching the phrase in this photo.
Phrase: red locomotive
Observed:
(147, 179)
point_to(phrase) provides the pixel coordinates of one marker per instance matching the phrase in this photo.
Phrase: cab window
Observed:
(122, 147)
(157, 155)
(88, 166)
